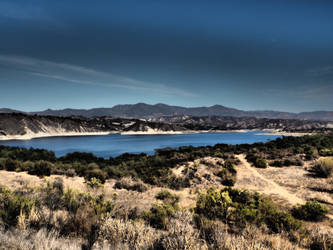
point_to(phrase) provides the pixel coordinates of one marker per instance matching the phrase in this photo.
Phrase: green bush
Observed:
(213, 204)
(227, 178)
(310, 211)
(12, 204)
(229, 165)
(277, 163)
(242, 207)
(287, 162)
(160, 213)
(227, 173)
(94, 183)
(41, 168)
(311, 153)
(326, 152)
(96, 173)
(2, 163)
(257, 161)
(11, 165)
(166, 196)
(260, 163)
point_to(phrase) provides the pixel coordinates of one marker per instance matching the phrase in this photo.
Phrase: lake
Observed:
(116, 144)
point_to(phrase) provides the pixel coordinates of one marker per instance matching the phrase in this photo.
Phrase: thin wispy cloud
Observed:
(307, 93)
(321, 71)
(84, 76)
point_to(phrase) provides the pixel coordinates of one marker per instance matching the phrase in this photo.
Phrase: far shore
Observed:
(285, 133)
(30, 136)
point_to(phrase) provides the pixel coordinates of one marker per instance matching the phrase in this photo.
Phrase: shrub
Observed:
(53, 194)
(277, 163)
(121, 234)
(181, 233)
(326, 152)
(311, 153)
(323, 167)
(321, 239)
(228, 164)
(12, 205)
(228, 173)
(245, 207)
(2, 163)
(311, 211)
(166, 196)
(227, 178)
(257, 161)
(287, 162)
(177, 183)
(41, 168)
(10, 165)
(213, 204)
(159, 214)
(94, 183)
(260, 163)
(96, 173)
(129, 184)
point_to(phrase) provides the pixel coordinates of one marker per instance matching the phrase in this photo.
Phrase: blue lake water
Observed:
(116, 144)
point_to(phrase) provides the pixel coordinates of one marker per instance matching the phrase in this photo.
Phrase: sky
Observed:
(250, 55)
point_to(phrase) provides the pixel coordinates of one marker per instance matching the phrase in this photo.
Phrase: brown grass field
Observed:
(286, 186)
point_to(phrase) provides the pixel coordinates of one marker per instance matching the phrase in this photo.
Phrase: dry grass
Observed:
(323, 167)
(287, 186)
(18, 240)
(124, 234)
(181, 233)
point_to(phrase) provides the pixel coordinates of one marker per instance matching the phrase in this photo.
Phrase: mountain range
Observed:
(147, 111)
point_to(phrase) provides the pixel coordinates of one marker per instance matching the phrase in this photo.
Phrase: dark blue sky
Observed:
(267, 54)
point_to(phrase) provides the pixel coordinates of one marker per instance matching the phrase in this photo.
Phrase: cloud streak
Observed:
(84, 76)
(322, 93)
(321, 71)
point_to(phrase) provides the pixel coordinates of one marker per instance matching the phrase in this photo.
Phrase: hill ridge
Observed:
(146, 111)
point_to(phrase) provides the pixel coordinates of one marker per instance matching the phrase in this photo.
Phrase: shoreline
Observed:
(47, 135)
(30, 136)
(282, 133)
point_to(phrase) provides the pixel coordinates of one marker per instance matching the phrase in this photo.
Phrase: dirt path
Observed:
(266, 186)
(250, 178)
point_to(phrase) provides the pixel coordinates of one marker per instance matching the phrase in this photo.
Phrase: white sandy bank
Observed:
(30, 136)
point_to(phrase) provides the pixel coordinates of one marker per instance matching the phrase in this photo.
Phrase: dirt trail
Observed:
(250, 178)
(268, 186)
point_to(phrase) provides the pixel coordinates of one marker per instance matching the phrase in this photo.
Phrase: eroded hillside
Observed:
(21, 126)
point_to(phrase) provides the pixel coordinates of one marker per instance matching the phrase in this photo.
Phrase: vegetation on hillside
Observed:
(156, 169)
(222, 218)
